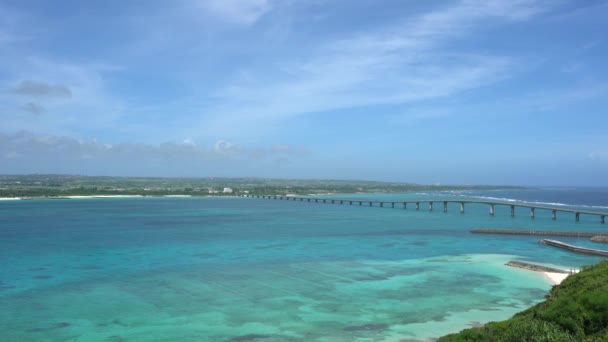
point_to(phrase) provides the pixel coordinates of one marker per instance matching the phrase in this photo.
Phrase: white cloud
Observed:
(28, 145)
(245, 12)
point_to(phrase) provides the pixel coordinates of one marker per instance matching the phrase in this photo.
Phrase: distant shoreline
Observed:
(106, 197)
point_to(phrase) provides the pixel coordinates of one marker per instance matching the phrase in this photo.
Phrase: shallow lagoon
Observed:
(222, 269)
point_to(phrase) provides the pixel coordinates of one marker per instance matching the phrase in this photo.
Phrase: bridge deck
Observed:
(602, 215)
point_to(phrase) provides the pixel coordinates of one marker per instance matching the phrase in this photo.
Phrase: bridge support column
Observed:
(332, 202)
(392, 204)
(492, 209)
(350, 202)
(462, 207)
(431, 206)
(370, 204)
(417, 205)
(532, 212)
(404, 205)
(602, 219)
(316, 200)
(324, 201)
(445, 206)
(512, 210)
(309, 200)
(578, 217)
(341, 202)
(381, 204)
(553, 215)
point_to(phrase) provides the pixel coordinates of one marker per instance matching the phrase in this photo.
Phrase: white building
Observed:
(227, 190)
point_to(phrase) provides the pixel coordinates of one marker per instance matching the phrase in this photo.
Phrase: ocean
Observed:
(242, 269)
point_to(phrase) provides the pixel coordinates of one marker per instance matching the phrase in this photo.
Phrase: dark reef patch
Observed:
(419, 243)
(279, 245)
(373, 277)
(249, 337)
(90, 267)
(42, 277)
(203, 255)
(36, 269)
(366, 327)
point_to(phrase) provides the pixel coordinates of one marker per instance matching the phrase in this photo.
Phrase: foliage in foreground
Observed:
(575, 310)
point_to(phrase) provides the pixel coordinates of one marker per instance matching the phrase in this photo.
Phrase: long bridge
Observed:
(430, 203)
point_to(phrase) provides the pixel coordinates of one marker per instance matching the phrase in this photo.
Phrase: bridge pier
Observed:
(370, 204)
(392, 204)
(512, 210)
(332, 202)
(324, 201)
(492, 209)
(360, 202)
(308, 199)
(445, 206)
(417, 205)
(341, 202)
(350, 202)
(553, 215)
(430, 206)
(462, 207)
(602, 220)
(381, 204)
(578, 216)
(404, 205)
(532, 212)
(316, 200)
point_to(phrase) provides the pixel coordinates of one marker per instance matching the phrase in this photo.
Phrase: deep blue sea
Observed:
(242, 269)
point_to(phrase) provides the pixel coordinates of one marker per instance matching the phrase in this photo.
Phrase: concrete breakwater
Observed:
(575, 249)
(534, 267)
(536, 232)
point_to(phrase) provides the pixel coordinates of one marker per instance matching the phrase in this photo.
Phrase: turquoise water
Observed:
(235, 269)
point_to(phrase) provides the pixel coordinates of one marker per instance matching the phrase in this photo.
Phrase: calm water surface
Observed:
(233, 269)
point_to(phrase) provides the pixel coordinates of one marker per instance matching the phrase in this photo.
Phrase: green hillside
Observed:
(576, 310)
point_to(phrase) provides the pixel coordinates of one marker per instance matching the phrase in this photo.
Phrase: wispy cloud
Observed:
(245, 12)
(42, 89)
(401, 63)
(33, 108)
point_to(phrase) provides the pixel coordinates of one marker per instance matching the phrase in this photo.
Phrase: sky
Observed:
(505, 92)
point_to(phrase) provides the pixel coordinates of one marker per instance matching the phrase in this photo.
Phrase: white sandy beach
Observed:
(556, 278)
(102, 196)
(10, 198)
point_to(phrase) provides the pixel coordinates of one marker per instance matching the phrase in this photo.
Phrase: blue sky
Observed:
(450, 92)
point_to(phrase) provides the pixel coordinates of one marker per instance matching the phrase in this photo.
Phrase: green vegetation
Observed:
(575, 310)
(70, 185)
